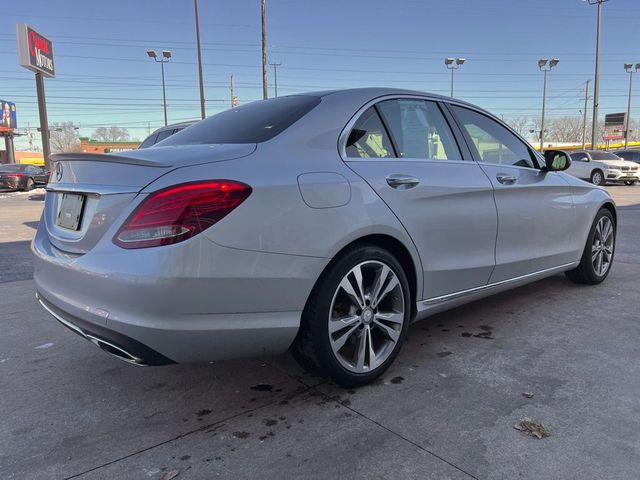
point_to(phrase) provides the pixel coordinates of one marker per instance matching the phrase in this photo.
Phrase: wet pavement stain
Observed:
(466, 334)
(262, 387)
(269, 422)
(397, 380)
(185, 457)
(446, 353)
(203, 412)
(241, 435)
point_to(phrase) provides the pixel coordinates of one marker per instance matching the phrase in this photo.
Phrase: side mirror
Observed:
(556, 160)
(584, 159)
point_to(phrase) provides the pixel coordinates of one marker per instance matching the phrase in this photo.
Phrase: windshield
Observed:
(10, 168)
(604, 156)
(254, 122)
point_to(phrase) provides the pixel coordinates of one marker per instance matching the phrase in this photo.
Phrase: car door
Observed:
(406, 150)
(536, 216)
(39, 175)
(580, 165)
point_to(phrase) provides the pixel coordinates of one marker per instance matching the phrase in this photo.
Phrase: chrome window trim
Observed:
(344, 134)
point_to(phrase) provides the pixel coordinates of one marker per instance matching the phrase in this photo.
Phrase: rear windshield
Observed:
(10, 168)
(254, 122)
(604, 156)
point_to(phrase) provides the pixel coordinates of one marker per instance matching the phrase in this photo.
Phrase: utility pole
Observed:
(596, 80)
(232, 93)
(275, 75)
(195, 6)
(542, 64)
(628, 68)
(265, 90)
(584, 115)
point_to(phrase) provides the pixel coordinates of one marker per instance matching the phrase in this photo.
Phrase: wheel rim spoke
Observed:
(342, 339)
(348, 288)
(391, 284)
(362, 336)
(390, 332)
(341, 323)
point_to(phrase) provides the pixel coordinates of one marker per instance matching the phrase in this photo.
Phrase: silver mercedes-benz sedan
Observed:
(322, 223)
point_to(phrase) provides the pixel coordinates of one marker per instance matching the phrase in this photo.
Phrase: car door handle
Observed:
(402, 182)
(506, 179)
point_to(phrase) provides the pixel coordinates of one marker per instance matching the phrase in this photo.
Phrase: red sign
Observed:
(35, 51)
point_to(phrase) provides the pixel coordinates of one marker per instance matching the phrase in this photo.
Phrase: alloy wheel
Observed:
(602, 246)
(366, 316)
(596, 178)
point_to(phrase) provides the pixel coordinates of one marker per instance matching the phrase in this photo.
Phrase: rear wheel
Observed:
(29, 185)
(356, 318)
(630, 182)
(597, 177)
(597, 257)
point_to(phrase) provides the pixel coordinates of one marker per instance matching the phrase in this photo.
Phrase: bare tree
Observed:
(111, 134)
(64, 137)
(521, 125)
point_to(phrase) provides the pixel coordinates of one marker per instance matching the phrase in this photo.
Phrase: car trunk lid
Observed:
(87, 192)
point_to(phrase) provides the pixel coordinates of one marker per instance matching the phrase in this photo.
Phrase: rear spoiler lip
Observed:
(108, 158)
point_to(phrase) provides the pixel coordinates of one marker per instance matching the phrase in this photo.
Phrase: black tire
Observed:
(630, 182)
(597, 178)
(312, 347)
(29, 185)
(585, 272)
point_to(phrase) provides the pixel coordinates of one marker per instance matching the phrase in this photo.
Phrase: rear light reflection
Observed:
(177, 213)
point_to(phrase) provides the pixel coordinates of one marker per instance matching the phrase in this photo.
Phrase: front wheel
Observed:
(630, 182)
(597, 257)
(356, 318)
(597, 177)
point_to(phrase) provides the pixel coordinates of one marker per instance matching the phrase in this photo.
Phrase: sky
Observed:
(105, 78)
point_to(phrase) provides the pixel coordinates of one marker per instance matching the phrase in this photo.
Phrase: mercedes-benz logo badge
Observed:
(58, 171)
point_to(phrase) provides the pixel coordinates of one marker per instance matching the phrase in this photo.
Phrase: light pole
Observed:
(596, 80)
(195, 7)
(166, 55)
(628, 67)
(275, 75)
(453, 64)
(545, 66)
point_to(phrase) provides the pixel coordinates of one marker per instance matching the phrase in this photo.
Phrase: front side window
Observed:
(494, 143)
(419, 129)
(369, 138)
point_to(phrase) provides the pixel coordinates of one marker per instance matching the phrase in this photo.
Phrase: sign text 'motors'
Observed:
(35, 51)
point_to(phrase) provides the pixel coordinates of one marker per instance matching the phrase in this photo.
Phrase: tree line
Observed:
(64, 136)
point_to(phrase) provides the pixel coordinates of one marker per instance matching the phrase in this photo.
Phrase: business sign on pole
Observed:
(35, 51)
(8, 116)
(614, 124)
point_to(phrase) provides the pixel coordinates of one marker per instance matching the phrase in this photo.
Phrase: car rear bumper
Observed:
(189, 302)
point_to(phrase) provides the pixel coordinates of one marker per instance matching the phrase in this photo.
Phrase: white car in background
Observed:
(600, 167)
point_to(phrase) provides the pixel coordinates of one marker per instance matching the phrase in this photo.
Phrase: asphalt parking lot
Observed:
(446, 408)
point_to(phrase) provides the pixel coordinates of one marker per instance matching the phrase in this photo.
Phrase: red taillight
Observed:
(180, 212)
(15, 175)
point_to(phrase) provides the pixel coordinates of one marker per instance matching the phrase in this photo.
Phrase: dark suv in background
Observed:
(164, 132)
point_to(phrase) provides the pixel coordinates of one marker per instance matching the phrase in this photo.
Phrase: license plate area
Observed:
(70, 211)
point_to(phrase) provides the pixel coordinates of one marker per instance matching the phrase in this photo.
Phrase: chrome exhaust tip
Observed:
(115, 351)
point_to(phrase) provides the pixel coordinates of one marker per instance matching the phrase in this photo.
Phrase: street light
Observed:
(545, 65)
(596, 80)
(453, 64)
(166, 55)
(628, 67)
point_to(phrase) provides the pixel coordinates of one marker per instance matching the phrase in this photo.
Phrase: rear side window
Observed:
(254, 122)
(164, 134)
(419, 129)
(369, 138)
